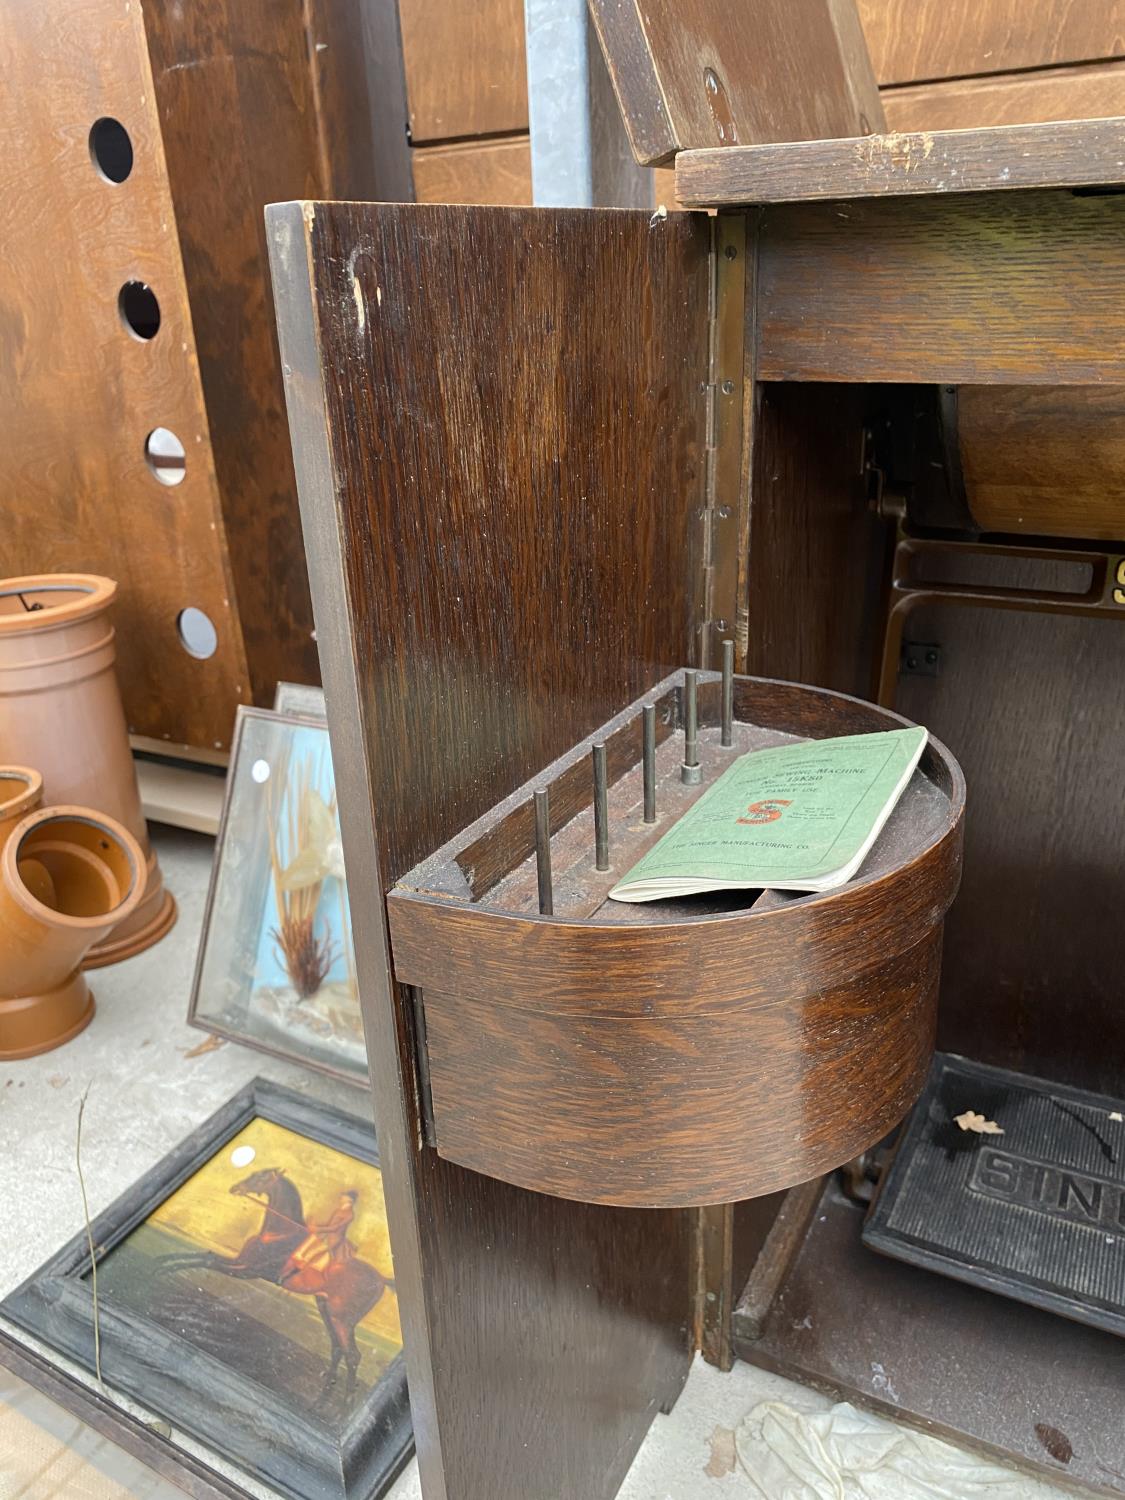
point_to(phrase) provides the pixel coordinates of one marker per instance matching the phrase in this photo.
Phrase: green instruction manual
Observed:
(795, 818)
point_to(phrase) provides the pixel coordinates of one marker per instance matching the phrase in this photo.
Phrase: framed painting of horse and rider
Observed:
(243, 1293)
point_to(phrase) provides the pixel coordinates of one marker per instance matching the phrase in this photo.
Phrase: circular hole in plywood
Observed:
(111, 150)
(139, 309)
(165, 456)
(198, 636)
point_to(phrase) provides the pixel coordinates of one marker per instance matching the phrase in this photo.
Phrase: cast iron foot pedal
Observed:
(1036, 1212)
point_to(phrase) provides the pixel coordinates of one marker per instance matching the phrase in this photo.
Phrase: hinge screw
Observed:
(728, 387)
(730, 252)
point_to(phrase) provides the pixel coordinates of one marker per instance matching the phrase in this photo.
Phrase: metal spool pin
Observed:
(728, 695)
(543, 852)
(690, 772)
(648, 760)
(601, 809)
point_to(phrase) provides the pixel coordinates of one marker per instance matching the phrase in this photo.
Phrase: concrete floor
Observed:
(149, 1086)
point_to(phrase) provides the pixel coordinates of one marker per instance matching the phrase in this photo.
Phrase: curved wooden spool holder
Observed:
(681, 1052)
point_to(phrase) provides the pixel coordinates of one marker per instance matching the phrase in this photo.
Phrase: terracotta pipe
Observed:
(60, 711)
(68, 876)
(21, 791)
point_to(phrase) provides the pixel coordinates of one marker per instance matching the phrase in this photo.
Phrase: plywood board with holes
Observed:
(86, 378)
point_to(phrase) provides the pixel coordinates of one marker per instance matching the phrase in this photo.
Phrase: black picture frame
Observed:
(245, 1424)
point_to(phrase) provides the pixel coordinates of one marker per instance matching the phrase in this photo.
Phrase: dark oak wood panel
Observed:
(604, 971)
(1024, 288)
(493, 172)
(355, 65)
(974, 1368)
(234, 85)
(1070, 153)
(495, 570)
(817, 554)
(1029, 703)
(1011, 99)
(924, 39)
(466, 67)
(789, 1091)
(689, 75)
(386, 97)
(495, 479)
(79, 392)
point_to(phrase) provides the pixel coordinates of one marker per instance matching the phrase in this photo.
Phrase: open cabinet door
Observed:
(499, 427)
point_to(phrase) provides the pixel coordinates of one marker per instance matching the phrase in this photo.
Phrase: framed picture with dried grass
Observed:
(275, 969)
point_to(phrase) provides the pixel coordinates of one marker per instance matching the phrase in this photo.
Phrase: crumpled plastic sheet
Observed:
(845, 1454)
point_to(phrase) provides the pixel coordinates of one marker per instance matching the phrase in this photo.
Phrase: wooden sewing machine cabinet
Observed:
(546, 459)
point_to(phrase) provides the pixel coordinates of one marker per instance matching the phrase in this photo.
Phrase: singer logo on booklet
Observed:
(767, 812)
(833, 797)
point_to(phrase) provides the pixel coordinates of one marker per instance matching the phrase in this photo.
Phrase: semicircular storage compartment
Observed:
(681, 1052)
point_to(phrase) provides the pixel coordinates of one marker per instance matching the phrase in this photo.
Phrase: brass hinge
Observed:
(723, 542)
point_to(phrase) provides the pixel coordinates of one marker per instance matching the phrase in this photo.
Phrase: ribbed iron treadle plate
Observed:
(1037, 1213)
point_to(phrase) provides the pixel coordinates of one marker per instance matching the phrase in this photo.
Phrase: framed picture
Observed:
(245, 1295)
(275, 968)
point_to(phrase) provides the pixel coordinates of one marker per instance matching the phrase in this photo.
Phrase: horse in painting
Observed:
(344, 1291)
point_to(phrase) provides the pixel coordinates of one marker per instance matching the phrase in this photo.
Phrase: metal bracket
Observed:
(920, 659)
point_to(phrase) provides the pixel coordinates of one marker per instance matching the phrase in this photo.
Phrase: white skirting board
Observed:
(182, 795)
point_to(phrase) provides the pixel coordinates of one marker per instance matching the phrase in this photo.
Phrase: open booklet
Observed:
(795, 818)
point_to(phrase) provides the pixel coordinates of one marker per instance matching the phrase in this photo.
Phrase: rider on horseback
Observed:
(326, 1244)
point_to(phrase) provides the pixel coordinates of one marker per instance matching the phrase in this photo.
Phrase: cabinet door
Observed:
(498, 421)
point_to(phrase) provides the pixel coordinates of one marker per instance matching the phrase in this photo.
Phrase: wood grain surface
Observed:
(80, 393)
(557, 1061)
(1028, 703)
(386, 92)
(278, 96)
(494, 572)
(466, 68)
(1011, 99)
(707, 1111)
(491, 172)
(817, 552)
(1018, 288)
(692, 73)
(354, 61)
(1069, 153)
(1044, 461)
(926, 39)
(234, 83)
